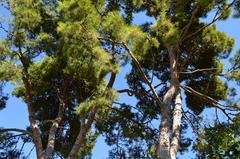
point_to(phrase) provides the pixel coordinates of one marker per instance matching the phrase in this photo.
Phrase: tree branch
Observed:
(199, 70)
(207, 99)
(33, 124)
(4, 29)
(86, 127)
(187, 27)
(212, 22)
(15, 130)
(195, 130)
(55, 125)
(160, 103)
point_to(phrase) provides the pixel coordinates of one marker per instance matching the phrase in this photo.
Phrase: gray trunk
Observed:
(165, 135)
(177, 116)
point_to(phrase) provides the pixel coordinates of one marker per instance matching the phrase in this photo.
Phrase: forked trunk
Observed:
(166, 139)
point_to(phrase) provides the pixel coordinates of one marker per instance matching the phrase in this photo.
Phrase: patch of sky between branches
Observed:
(141, 18)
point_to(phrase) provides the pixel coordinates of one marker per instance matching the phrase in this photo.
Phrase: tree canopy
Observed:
(63, 57)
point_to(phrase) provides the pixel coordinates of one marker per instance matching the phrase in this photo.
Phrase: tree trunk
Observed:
(86, 127)
(36, 136)
(80, 138)
(164, 139)
(177, 116)
(33, 124)
(53, 130)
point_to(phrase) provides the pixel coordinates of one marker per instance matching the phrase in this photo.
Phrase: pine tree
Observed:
(188, 55)
(57, 54)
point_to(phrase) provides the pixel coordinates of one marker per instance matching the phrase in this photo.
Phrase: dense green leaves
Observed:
(220, 141)
(66, 49)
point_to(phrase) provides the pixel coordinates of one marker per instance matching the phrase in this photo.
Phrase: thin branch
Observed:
(198, 94)
(216, 114)
(15, 130)
(21, 149)
(187, 27)
(128, 91)
(212, 22)
(209, 100)
(28, 156)
(143, 75)
(199, 70)
(8, 138)
(195, 130)
(131, 92)
(10, 34)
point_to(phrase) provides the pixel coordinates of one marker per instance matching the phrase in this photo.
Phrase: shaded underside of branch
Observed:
(14, 130)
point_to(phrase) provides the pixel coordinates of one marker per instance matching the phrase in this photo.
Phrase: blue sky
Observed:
(15, 115)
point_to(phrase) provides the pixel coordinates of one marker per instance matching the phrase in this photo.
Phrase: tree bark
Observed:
(86, 127)
(177, 116)
(80, 138)
(164, 139)
(53, 130)
(33, 124)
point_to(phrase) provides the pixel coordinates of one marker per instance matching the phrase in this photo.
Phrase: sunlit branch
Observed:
(199, 70)
(135, 61)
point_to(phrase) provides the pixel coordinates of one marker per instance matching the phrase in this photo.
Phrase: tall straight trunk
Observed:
(164, 140)
(177, 117)
(165, 135)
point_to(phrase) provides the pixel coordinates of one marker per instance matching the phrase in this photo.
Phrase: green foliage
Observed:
(62, 55)
(166, 31)
(234, 72)
(219, 41)
(26, 13)
(89, 143)
(104, 101)
(115, 27)
(219, 141)
(55, 44)
(4, 49)
(9, 71)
